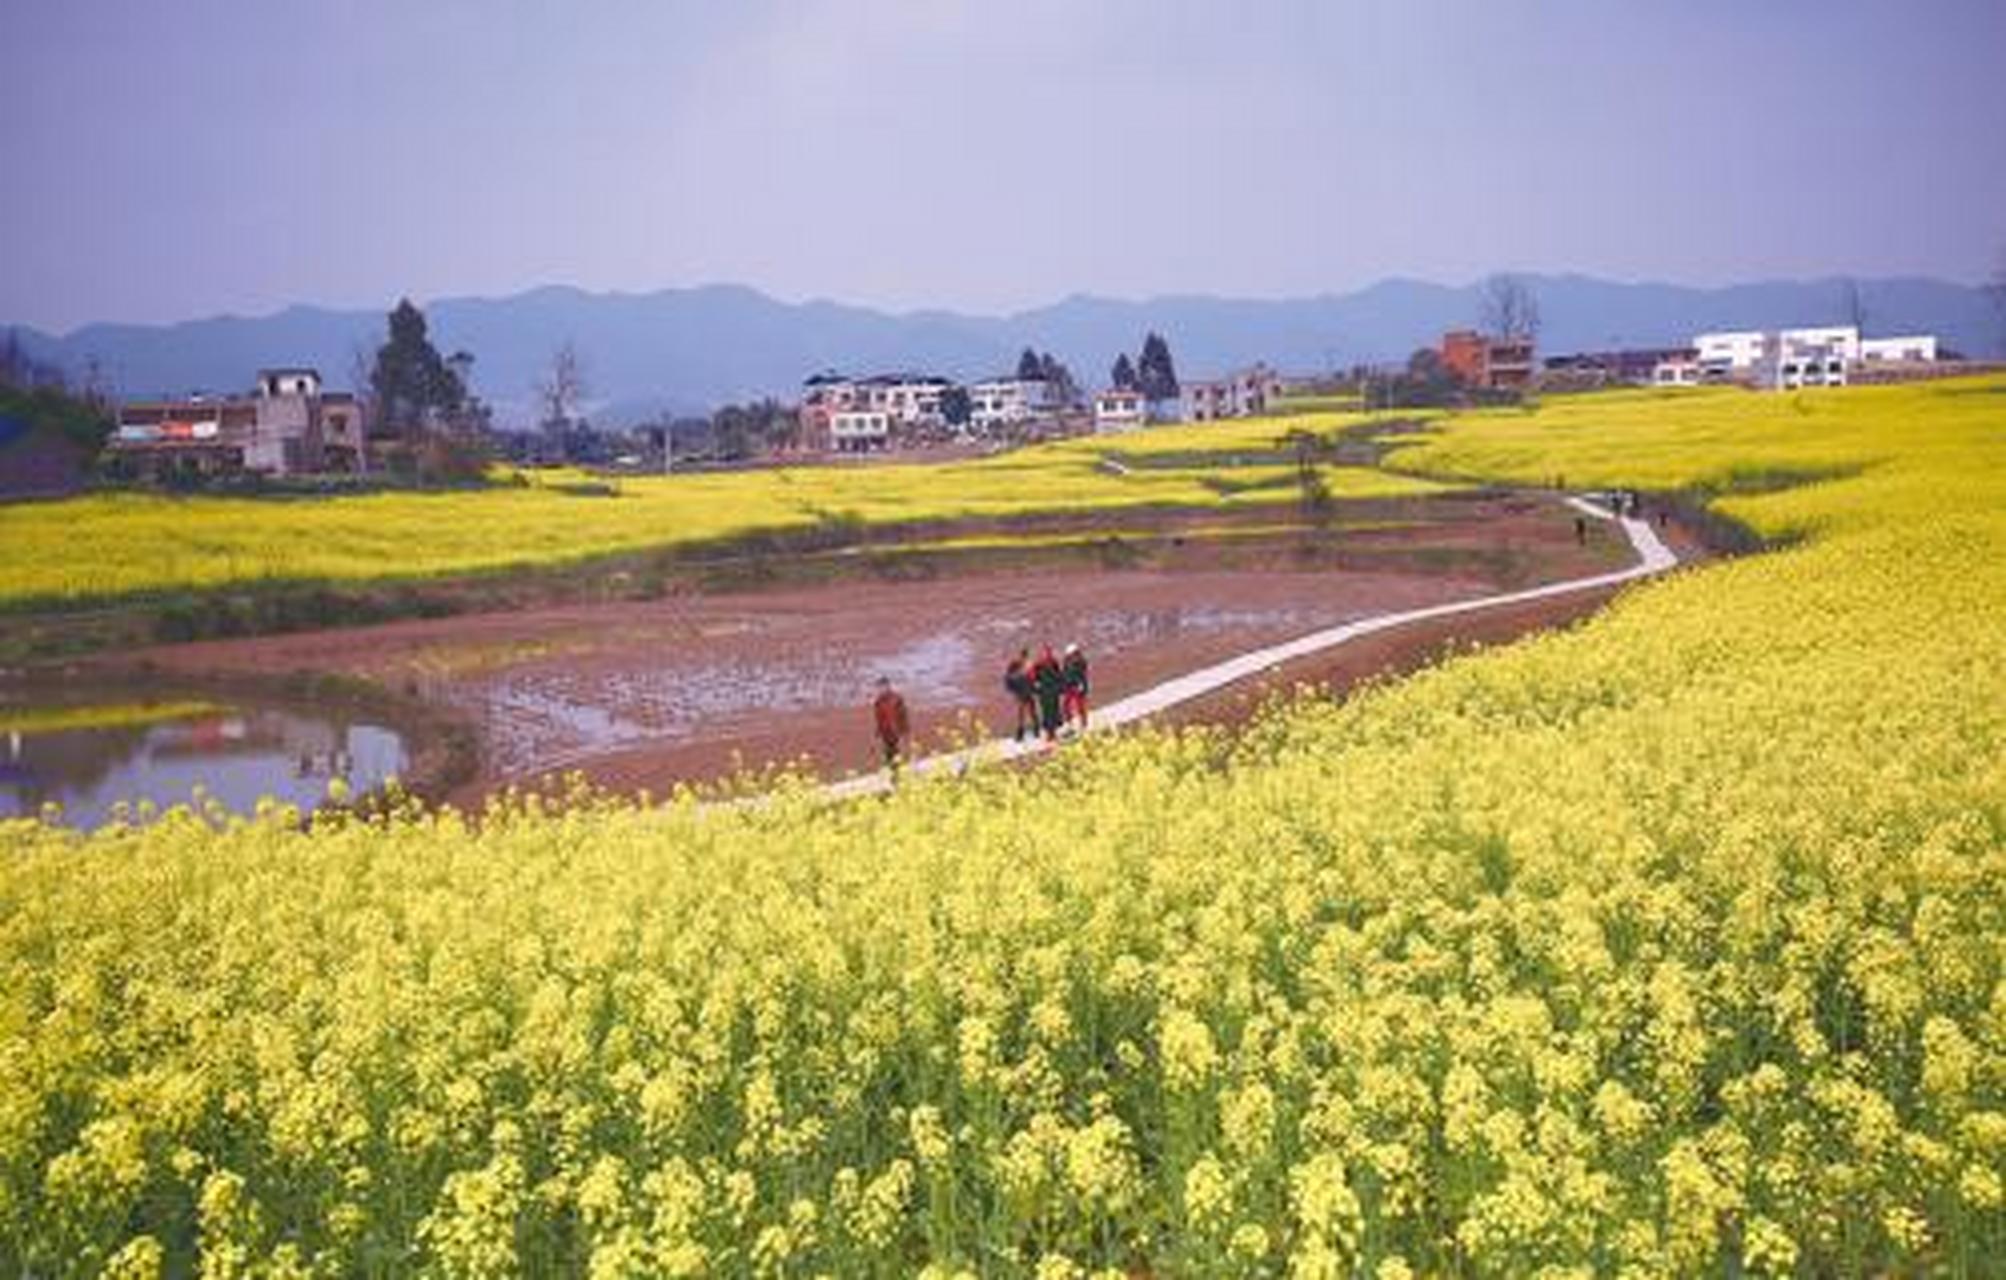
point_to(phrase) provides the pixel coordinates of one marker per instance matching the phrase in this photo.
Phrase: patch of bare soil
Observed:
(642, 695)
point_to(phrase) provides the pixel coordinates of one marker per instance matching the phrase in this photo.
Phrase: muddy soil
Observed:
(643, 695)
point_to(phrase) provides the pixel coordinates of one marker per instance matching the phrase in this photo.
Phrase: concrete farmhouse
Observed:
(1009, 401)
(1119, 409)
(1244, 393)
(1487, 363)
(287, 425)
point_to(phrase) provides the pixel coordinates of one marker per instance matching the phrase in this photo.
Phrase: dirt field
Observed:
(643, 695)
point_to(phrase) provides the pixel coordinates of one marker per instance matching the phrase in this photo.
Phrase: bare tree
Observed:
(361, 383)
(560, 392)
(361, 367)
(1509, 309)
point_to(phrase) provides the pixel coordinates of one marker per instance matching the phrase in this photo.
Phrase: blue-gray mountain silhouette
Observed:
(691, 349)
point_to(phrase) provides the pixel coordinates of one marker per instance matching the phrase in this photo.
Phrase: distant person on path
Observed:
(1074, 699)
(1017, 681)
(1050, 683)
(1581, 530)
(893, 724)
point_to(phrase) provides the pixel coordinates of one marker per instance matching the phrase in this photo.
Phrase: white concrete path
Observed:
(1653, 557)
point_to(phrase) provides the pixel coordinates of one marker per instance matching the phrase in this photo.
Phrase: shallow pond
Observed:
(89, 759)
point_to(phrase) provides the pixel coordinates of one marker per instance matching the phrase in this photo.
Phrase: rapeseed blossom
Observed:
(1670, 944)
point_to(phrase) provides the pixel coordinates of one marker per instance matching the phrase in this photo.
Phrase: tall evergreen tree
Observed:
(1028, 368)
(956, 406)
(1155, 374)
(1062, 389)
(411, 384)
(1123, 373)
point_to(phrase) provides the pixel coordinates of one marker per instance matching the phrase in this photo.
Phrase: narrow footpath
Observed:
(1653, 557)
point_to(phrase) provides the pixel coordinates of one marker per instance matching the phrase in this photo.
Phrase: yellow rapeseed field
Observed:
(112, 545)
(1671, 945)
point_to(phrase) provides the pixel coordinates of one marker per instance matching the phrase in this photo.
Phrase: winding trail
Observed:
(1653, 557)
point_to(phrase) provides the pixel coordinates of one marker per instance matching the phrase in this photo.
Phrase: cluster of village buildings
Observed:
(290, 424)
(1778, 359)
(843, 414)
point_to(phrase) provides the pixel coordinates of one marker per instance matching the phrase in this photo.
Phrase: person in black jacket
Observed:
(1074, 700)
(1017, 682)
(1049, 682)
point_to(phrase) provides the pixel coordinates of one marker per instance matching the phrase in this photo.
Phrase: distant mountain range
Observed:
(686, 350)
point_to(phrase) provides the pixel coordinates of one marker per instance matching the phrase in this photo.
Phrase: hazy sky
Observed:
(177, 158)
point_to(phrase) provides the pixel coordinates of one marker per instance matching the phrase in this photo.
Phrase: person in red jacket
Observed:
(893, 724)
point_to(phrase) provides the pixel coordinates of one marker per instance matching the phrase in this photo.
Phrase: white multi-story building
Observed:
(1814, 357)
(1838, 340)
(859, 430)
(996, 402)
(1119, 409)
(917, 400)
(1723, 355)
(911, 399)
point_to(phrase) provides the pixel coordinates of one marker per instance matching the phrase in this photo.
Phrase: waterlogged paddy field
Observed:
(105, 546)
(1669, 945)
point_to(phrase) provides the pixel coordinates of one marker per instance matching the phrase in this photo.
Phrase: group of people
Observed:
(1049, 692)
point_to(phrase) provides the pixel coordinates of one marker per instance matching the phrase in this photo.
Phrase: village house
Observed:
(288, 425)
(1727, 356)
(909, 399)
(1000, 402)
(859, 430)
(1485, 363)
(822, 397)
(1814, 357)
(1244, 393)
(1119, 409)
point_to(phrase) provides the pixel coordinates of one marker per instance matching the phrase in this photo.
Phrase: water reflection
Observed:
(237, 755)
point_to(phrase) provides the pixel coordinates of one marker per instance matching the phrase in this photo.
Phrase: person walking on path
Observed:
(1075, 696)
(1017, 681)
(1049, 682)
(893, 724)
